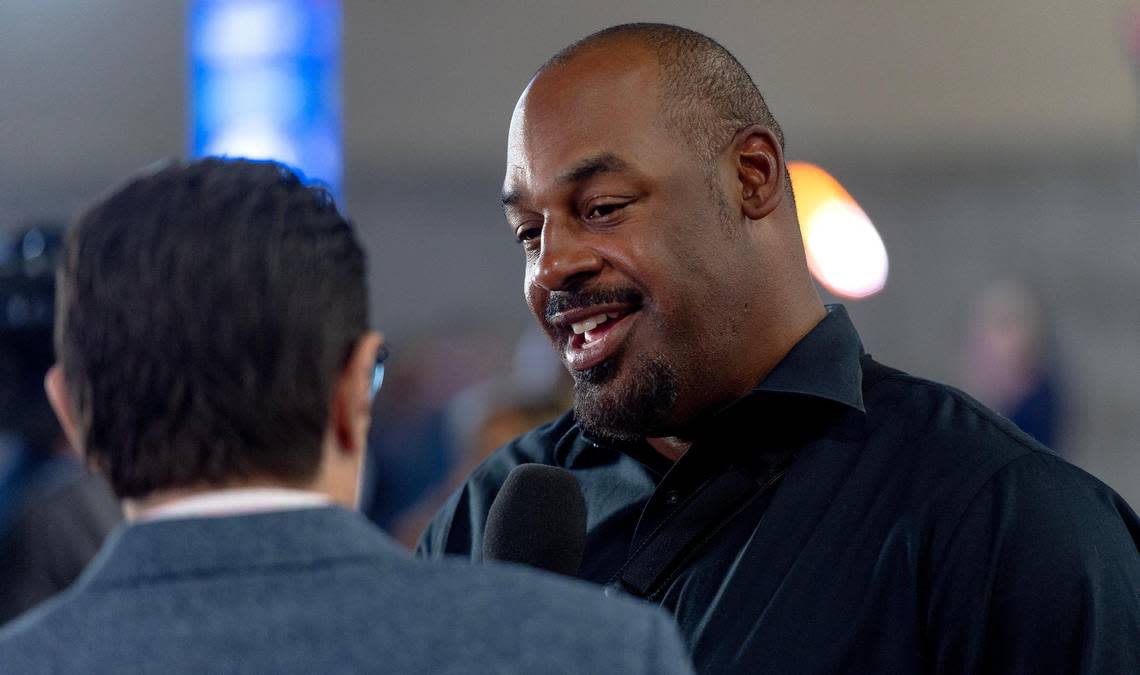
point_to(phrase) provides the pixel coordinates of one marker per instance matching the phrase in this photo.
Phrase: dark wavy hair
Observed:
(204, 311)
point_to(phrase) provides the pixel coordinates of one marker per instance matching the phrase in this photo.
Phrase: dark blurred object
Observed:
(27, 289)
(1012, 363)
(54, 514)
(60, 516)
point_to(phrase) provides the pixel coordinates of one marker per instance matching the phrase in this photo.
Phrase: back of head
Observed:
(204, 310)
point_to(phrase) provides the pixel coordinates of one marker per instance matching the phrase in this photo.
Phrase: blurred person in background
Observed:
(215, 362)
(799, 507)
(1011, 362)
(483, 417)
(414, 444)
(54, 513)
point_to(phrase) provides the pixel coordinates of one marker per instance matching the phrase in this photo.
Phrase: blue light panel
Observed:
(265, 83)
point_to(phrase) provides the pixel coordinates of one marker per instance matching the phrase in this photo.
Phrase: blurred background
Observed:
(993, 145)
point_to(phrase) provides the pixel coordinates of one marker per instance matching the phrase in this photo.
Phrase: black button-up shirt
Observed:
(847, 517)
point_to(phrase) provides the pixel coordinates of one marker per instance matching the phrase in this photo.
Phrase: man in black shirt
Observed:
(797, 506)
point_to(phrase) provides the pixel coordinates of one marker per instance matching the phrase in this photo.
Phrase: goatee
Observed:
(615, 408)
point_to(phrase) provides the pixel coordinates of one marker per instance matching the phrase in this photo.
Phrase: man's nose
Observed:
(565, 256)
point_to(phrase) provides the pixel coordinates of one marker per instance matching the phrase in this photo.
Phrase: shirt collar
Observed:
(825, 363)
(229, 502)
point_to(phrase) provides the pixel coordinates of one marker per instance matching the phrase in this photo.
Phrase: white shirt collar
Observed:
(217, 503)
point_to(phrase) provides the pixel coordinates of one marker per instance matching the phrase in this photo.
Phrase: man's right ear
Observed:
(56, 387)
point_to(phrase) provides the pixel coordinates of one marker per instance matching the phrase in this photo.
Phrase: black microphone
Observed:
(538, 519)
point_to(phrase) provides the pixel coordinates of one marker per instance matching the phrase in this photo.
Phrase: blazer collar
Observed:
(152, 550)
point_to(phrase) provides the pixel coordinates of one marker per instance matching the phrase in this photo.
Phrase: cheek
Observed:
(691, 296)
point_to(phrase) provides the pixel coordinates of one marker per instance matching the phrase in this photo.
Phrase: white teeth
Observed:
(590, 323)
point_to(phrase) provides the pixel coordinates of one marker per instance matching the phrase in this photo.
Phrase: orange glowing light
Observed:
(845, 253)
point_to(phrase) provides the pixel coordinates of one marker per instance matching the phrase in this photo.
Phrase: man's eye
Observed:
(526, 234)
(603, 210)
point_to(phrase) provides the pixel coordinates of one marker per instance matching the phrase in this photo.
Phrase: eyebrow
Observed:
(582, 171)
(592, 166)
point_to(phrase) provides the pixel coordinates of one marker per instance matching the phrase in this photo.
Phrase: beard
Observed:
(617, 409)
(626, 398)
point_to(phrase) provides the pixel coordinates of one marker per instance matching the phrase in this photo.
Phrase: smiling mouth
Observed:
(597, 338)
(593, 328)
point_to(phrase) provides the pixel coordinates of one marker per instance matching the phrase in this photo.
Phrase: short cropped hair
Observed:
(706, 94)
(204, 311)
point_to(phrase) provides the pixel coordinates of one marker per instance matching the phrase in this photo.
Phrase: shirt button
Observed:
(672, 497)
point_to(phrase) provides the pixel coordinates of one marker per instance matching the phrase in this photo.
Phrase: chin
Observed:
(625, 399)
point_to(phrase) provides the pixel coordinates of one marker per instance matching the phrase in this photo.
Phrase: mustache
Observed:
(564, 301)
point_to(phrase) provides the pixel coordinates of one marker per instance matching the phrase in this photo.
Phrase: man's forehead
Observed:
(579, 112)
(594, 82)
(589, 166)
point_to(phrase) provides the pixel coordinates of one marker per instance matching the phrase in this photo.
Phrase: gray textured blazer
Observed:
(323, 591)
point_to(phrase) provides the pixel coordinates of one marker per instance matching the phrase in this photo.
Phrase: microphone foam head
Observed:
(538, 519)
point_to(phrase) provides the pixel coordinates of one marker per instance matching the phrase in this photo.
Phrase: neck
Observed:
(773, 345)
(770, 348)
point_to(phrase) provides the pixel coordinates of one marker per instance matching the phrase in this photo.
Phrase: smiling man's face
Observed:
(633, 258)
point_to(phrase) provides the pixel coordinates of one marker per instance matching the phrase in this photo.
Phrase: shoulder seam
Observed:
(997, 470)
(1028, 449)
(973, 405)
